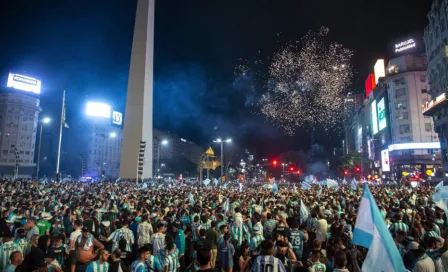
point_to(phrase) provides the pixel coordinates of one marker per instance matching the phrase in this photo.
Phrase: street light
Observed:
(45, 120)
(222, 152)
(162, 142)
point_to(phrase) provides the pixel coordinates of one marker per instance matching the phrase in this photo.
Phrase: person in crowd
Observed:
(245, 259)
(101, 263)
(158, 239)
(15, 260)
(212, 237)
(144, 231)
(116, 264)
(266, 258)
(340, 262)
(7, 249)
(203, 258)
(226, 251)
(52, 264)
(85, 248)
(35, 255)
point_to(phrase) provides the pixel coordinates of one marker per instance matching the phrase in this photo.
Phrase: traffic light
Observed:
(357, 169)
(291, 168)
(298, 172)
(274, 162)
(345, 172)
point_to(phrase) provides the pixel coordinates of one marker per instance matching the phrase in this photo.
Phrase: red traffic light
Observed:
(357, 169)
(274, 162)
(345, 172)
(291, 169)
(298, 171)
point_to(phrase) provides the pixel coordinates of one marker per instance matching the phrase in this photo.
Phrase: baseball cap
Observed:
(84, 229)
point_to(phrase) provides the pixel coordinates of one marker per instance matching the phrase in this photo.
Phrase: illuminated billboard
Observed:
(381, 108)
(385, 163)
(117, 118)
(97, 109)
(359, 139)
(24, 83)
(379, 70)
(374, 118)
(405, 45)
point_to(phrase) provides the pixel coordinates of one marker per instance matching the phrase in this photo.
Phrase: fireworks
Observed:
(307, 83)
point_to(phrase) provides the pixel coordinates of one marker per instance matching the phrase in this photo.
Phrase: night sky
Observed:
(84, 47)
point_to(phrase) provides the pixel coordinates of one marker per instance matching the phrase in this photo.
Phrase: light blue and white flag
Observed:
(354, 184)
(226, 205)
(294, 188)
(306, 185)
(215, 181)
(332, 183)
(309, 179)
(371, 232)
(241, 187)
(440, 185)
(440, 198)
(344, 181)
(144, 185)
(191, 198)
(304, 212)
(206, 182)
(275, 188)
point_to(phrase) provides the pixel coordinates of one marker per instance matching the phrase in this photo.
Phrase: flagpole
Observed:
(58, 160)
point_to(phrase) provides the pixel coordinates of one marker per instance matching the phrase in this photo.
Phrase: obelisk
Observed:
(138, 114)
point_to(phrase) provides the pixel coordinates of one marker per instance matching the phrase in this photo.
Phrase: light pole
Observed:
(162, 142)
(222, 152)
(46, 120)
(283, 168)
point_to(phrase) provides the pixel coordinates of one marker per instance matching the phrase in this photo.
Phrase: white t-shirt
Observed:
(73, 236)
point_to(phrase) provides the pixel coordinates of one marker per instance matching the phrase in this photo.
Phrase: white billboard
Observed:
(374, 118)
(117, 118)
(379, 69)
(24, 83)
(381, 108)
(97, 109)
(385, 163)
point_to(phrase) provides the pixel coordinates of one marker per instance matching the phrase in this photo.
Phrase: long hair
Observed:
(43, 243)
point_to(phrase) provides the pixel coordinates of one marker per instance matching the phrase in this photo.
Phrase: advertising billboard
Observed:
(24, 83)
(370, 84)
(359, 139)
(385, 164)
(117, 118)
(379, 69)
(97, 109)
(381, 108)
(374, 118)
(410, 44)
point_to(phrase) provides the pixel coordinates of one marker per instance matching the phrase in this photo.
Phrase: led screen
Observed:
(24, 83)
(97, 109)
(382, 123)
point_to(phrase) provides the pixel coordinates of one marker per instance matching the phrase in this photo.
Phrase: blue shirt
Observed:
(225, 255)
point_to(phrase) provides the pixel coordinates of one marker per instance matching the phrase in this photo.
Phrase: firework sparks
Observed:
(307, 84)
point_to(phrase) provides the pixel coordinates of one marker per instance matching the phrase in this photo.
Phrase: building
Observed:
(175, 147)
(436, 40)
(390, 129)
(104, 149)
(19, 117)
(138, 124)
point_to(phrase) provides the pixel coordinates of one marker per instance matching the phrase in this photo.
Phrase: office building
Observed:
(436, 40)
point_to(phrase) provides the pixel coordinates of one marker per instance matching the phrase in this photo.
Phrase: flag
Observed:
(294, 188)
(304, 212)
(306, 185)
(354, 184)
(206, 182)
(226, 205)
(332, 183)
(241, 187)
(440, 185)
(371, 232)
(191, 198)
(441, 198)
(63, 115)
(275, 188)
(215, 181)
(344, 181)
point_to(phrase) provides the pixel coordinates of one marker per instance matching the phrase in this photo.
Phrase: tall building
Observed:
(138, 123)
(19, 117)
(390, 128)
(436, 40)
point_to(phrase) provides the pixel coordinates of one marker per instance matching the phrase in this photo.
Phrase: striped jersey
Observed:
(267, 263)
(97, 267)
(119, 234)
(158, 243)
(207, 225)
(269, 226)
(255, 241)
(138, 266)
(399, 226)
(238, 232)
(144, 231)
(5, 251)
(311, 224)
(219, 224)
(153, 263)
(317, 267)
(23, 244)
(172, 261)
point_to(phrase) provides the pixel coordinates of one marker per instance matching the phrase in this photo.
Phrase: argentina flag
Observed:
(371, 232)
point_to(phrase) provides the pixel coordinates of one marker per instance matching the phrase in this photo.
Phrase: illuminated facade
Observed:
(19, 115)
(436, 37)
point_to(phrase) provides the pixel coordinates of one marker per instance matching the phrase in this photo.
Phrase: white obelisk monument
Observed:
(138, 113)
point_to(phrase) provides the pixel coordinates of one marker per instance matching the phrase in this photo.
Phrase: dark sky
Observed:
(84, 47)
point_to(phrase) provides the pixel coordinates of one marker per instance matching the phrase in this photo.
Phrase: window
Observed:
(404, 115)
(402, 105)
(404, 128)
(399, 81)
(5, 152)
(405, 139)
(424, 91)
(400, 92)
(422, 78)
(428, 127)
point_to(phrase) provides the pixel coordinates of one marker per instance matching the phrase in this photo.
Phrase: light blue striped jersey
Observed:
(153, 263)
(172, 261)
(97, 267)
(238, 232)
(269, 263)
(138, 266)
(255, 241)
(23, 244)
(117, 235)
(399, 226)
(5, 251)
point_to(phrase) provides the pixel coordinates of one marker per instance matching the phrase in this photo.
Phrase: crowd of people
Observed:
(122, 226)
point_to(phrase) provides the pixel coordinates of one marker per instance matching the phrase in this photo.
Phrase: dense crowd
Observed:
(124, 227)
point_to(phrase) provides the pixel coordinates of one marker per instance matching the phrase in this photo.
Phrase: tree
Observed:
(350, 160)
